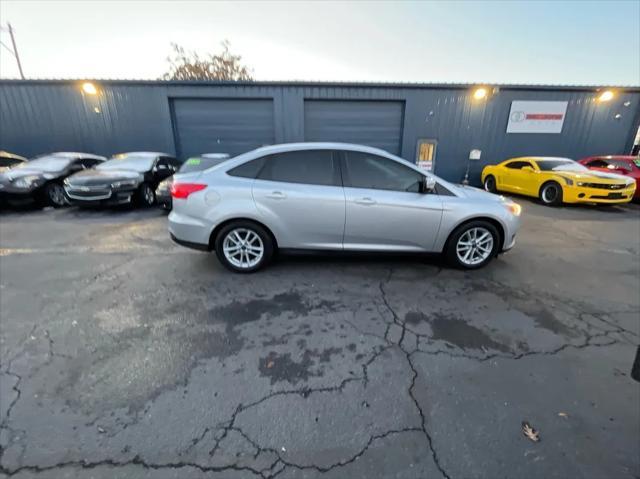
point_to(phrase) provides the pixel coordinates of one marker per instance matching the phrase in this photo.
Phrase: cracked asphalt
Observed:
(123, 355)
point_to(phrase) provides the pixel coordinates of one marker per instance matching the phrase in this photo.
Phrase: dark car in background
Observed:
(196, 163)
(126, 178)
(624, 165)
(40, 180)
(9, 160)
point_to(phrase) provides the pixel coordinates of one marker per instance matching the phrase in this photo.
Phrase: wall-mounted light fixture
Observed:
(606, 96)
(480, 93)
(89, 88)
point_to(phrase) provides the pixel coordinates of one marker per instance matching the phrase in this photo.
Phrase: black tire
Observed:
(451, 248)
(490, 184)
(551, 193)
(54, 195)
(244, 225)
(146, 197)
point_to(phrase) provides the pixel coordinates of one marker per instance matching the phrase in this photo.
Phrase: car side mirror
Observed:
(428, 184)
(528, 169)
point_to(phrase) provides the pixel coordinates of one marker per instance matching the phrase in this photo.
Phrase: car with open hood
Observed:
(41, 179)
(126, 178)
(335, 196)
(9, 160)
(556, 181)
(196, 163)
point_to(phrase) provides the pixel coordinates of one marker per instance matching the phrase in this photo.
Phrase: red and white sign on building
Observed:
(536, 116)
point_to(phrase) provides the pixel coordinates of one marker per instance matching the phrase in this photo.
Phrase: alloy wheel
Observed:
(474, 246)
(549, 194)
(243, 248)
(56, 195)
(147, 194)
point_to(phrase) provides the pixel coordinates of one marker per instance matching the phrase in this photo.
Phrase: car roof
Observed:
(73, 154)
(319, 145)
(6, 154)
(613, 157)
(541, 158)
(142, 153)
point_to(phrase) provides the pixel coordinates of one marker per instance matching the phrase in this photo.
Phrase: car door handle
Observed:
(276, 195)
(365, 201)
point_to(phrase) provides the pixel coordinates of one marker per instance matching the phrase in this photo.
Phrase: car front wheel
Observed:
(54, 195)
(244, 246)
(473, 245)
(146, 195)
(551, 194)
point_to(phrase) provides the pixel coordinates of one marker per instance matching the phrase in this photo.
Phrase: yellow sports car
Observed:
(556, 181)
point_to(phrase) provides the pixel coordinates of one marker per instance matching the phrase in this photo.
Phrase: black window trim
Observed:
(346, 181)
(335, 156)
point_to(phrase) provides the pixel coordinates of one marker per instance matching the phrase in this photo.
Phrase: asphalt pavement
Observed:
(123, 355)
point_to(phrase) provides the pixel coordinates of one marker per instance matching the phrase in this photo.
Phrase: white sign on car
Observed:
(536, 116)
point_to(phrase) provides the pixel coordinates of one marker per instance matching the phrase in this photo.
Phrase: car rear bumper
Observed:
(185, 229)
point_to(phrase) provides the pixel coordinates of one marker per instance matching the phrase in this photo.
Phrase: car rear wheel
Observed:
(473, 245)
(551, 194)
(244, 246)
(490, 184)
(146, 195)
(54, 195)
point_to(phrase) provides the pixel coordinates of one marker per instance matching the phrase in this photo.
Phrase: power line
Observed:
(13, 51)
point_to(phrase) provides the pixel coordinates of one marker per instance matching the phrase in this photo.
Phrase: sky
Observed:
(532, 42)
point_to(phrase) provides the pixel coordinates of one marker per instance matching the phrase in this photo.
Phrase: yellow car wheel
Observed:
(490, 184)
(551, 193)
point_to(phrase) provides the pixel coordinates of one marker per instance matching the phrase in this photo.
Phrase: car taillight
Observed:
(183, 190)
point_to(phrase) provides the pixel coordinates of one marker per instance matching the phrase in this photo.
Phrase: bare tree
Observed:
(188, 65)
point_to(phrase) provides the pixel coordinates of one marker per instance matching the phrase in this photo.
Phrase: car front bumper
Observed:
(581, 194)
(97, 196)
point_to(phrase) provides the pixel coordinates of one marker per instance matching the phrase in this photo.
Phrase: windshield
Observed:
(555, 165)
(135, 163)
(46, 163)
(199, 164)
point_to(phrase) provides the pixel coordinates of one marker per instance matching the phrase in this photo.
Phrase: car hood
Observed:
(100, 177)
(12, 174)
(477, 193)
(592, 175)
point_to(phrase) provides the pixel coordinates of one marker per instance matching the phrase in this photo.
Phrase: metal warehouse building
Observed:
(436, 124)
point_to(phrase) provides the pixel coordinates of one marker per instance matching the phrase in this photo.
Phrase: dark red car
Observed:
(619, 164)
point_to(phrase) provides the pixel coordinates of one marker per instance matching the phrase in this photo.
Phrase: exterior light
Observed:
(605, 95)
(89, 88)
(480, 93)
(96, 109)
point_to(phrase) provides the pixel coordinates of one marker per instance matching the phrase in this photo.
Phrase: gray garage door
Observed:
(374, 123)
(221, 126)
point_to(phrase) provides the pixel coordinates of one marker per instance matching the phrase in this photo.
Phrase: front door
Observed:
(300, 195)
(384, 209)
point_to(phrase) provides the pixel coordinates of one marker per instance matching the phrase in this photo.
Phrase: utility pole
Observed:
(14, 51)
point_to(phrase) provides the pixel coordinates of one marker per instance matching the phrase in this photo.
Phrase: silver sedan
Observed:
(335, 196)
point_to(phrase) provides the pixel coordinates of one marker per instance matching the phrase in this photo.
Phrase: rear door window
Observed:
(311, 167)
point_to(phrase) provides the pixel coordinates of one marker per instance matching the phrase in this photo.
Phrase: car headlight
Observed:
(123, 184)
(26, 181)
(568, 180)
(514, 208)
(580, 183)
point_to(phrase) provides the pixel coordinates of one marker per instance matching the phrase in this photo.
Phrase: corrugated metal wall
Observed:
(42, 116)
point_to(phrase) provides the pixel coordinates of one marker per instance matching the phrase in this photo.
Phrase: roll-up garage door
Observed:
(373, 123)
(221, 125)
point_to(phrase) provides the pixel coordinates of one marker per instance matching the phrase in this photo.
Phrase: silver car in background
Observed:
(335, 196)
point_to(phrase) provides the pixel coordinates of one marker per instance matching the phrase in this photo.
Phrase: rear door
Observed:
(385, 210)
(300, 195)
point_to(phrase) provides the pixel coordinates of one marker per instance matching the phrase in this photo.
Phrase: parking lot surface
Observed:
(124, 355)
